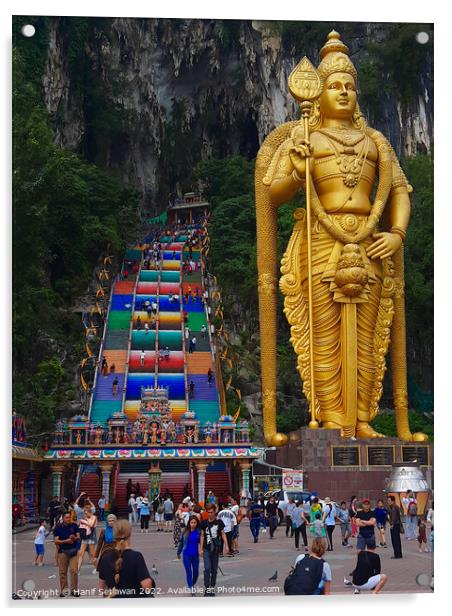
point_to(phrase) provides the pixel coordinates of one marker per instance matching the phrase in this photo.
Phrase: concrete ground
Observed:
(245, 574)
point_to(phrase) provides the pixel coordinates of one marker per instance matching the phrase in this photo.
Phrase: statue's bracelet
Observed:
(399, 231)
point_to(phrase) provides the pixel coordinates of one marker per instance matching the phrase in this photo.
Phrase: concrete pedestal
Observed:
(339, 468)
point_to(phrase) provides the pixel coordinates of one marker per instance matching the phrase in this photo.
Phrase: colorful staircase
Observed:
(125, 340)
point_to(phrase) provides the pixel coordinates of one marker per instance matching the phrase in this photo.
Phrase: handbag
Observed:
(70, 552)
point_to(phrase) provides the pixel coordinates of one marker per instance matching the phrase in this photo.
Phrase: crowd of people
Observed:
(210, 531)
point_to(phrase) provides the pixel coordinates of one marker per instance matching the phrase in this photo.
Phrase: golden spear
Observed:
(305, 85)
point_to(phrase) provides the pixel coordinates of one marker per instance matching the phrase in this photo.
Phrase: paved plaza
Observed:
(246, 573)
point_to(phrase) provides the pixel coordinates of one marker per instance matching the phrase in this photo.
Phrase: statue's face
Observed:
(338, 99)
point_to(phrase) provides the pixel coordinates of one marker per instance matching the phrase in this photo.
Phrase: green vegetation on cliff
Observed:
(65, 214)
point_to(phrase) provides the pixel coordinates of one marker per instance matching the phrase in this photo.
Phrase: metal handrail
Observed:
(129, 342)
(101, 349)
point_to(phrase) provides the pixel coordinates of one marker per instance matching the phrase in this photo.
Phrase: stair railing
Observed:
(101, 350)
(129, 341)
(219, 385)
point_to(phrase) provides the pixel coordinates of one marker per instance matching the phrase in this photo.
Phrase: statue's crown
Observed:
(334, 57)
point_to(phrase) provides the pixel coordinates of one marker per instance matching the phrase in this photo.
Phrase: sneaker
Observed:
(347, 582)
(264, 530)
(356, 591)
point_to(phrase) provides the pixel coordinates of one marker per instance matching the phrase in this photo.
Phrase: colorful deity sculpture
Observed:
(342, 272)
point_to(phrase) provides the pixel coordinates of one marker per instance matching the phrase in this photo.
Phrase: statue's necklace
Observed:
(349, 161)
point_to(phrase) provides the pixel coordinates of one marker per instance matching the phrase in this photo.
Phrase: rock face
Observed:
(151, 97)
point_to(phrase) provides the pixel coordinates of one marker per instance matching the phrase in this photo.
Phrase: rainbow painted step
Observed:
(196, 320)
(104, 387)
(170, 339)
(136, 381)
(116, 340)
(121, 302)
(149, 275)
(170, 276)
(203, 391)
(143, 340)
(103, 409)
(166, 306)
(175, 384)
(119, 319)
(205, 411)
(170, 320)
(135, 361)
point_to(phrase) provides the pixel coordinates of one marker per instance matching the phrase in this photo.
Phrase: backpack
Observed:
(412, 508)
(305, 578)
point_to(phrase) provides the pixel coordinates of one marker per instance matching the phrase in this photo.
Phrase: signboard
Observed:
(380, 456)
(345, 456)
(416, 453)
(292, 480)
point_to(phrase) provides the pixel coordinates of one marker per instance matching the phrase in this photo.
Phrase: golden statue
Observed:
(342, 272)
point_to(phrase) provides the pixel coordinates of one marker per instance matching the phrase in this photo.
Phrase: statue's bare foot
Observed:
(364, 430)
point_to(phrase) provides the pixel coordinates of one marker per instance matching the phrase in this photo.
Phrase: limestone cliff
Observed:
(149, 98)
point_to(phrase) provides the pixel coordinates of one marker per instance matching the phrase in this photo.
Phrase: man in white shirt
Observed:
(101, 504)
(138, 501)
(132, 509)
(229, 520)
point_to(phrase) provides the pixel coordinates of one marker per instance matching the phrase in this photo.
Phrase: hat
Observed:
(145, 501)
(365, 500)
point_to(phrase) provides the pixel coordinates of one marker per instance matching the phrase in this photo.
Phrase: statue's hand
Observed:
(385, 245)
(298, 155)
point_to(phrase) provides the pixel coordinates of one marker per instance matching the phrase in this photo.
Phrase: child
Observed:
(319, 526)
(39, 543)
(381, 515)
(422, 535)
(343, 516)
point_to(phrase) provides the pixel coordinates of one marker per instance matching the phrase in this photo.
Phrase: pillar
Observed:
(106, 469)
(245, 479)
(201, 469)
(57, 476)
(154, 479)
